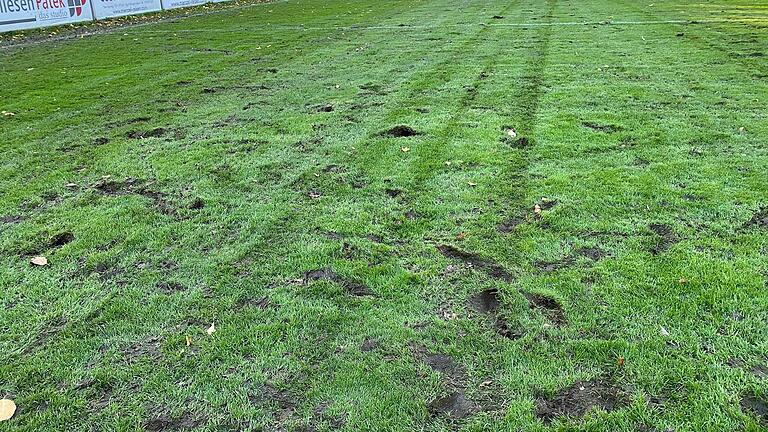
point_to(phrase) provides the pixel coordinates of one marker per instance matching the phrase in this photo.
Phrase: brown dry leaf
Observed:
(461, 236)
(39, 261)
(212, 329)
(621, 361)
(7, 409)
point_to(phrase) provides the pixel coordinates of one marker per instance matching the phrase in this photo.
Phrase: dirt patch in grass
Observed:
(153, 133)
(353, 287)
(593, 253)
(486, 301)
(100, 141)
(149, 347)
(549, 267)
(489, 267)
(503, 329)
(285, 402)
(369, 344)
(170, 287)
(393, 193)
(11, 219)
(548, 307)
(509, 225)
(667, 238)
(755, 406)
(49, 331)
(606, 128)
(164, 422)
(519, 142)
(455, 405)
(578, 399)
(107, 186)
(401, 131)
(759, 219)
(547, 204)
(61, 239)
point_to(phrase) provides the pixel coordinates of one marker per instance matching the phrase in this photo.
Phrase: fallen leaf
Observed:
(189, 341)
(39, 261)
(405, 149)
(8, 114)
(447, 163)
(7, 409)
(664, 331)
(683, 281)
(511, 132)
(537, 209)
(621, 361)
(472, 184)
(461, 236)
(212, 329)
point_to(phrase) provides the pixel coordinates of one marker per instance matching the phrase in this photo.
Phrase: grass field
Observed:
(336, 187)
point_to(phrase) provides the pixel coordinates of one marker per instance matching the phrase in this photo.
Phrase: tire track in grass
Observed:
(526, 100)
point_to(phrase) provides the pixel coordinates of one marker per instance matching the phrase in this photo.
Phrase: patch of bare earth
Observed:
(579, 399)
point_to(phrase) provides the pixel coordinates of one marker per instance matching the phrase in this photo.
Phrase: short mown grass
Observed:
(398, 215)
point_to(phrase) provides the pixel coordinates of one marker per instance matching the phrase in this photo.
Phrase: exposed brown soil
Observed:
(108, 186)
(578, 399)
(549, 267)
(548, 307)
(393, 193)
(61, 239)
(353, 287)
(164, 422)
(11, 219)
(489, 267)
(485, 301)
(154, 133)
(667, 238)
(197, 204)
(547, 204)
(401, 131)
(760, 219)
(48, 332)
(149, 347)
(455, 405)
(593, 253)
(369, 344)
(755, 406)
(171, 287)
(509, 225)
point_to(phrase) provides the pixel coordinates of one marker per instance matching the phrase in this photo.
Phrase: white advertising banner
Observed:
(174, 4)
(26, 14)
(116, 8)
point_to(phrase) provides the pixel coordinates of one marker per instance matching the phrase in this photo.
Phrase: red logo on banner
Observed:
(75, 7)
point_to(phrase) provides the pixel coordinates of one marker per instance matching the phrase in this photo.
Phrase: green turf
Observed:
(646, 150)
